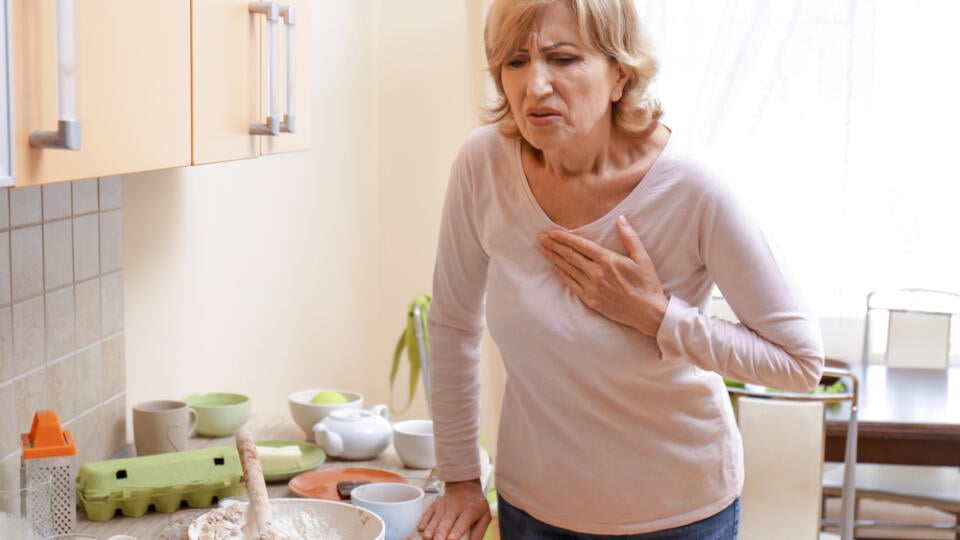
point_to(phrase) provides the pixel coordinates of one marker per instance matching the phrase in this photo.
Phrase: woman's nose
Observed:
(539, 82)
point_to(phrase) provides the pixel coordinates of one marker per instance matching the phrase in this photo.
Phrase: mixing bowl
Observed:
(348, 521)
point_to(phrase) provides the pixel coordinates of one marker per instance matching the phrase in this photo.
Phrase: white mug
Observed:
(400, 506)
(162, 426)
(413, 441)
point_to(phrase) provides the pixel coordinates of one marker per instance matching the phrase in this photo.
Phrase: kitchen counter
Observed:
(152, 523)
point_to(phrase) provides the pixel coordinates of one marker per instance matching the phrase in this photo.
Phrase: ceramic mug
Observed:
(400, 506)
(413, 441)
(162, 426)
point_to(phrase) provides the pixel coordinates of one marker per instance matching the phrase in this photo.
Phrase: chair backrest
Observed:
(918, 327)
(783, 445)
(720, 308)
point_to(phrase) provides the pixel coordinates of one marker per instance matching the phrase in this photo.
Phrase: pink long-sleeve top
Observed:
(603, 429)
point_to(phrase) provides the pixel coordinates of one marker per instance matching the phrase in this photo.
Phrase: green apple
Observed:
(328, 397)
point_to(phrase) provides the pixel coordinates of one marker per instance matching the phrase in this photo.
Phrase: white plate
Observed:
(312, 458)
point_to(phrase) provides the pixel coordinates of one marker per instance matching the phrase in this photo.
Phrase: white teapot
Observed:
(350, 433)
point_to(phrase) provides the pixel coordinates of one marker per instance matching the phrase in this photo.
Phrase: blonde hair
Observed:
(611, 26)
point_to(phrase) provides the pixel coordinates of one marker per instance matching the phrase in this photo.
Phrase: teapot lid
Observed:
(351, 415)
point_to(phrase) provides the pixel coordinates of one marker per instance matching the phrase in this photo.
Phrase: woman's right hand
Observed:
(462, 507)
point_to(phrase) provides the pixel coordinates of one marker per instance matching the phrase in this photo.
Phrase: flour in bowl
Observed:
(227, 524)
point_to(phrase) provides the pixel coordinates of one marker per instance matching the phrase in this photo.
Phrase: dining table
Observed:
(906, 416)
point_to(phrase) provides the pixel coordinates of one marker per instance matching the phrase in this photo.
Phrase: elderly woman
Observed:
(589, 237)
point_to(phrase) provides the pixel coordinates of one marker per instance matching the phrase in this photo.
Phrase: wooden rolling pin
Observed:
(259, 517)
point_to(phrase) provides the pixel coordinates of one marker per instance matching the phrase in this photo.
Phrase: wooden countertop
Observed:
(148, 526)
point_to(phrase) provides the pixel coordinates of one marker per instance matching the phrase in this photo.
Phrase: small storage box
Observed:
(163, 481)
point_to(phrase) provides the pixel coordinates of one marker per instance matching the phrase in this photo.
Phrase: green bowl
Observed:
(219, 414)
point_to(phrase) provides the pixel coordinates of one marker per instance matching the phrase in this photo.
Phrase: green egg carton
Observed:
(163, 481)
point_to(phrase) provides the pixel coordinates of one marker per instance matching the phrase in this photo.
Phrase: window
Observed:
(838, 122)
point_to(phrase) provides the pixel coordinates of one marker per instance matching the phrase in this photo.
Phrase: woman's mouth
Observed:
(542, 117)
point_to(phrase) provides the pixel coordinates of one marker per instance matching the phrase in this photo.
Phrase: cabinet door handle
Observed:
(272, 12)
(67, 136)
(289, 14)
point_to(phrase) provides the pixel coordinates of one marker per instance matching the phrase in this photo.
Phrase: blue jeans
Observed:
(515, 524)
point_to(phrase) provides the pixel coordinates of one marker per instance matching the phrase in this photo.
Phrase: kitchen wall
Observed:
(289, 272)
(61, 313)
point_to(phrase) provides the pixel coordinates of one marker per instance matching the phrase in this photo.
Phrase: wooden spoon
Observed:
(259, 516)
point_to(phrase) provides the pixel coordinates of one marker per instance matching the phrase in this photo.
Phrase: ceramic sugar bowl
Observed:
(354, 433)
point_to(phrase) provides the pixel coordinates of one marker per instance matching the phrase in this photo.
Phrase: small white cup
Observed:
(413, 440)
(400, 506)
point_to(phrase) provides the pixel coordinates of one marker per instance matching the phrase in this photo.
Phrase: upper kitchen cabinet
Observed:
(119, 84)
(251, 78)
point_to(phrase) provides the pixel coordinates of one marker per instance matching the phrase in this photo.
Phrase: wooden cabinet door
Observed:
(230, 80)
(300, 139)
(132, 87)
(226, 80)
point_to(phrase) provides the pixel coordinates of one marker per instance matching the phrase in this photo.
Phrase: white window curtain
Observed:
(837, 121)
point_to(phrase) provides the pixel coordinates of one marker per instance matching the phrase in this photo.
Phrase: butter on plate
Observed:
(279, 457)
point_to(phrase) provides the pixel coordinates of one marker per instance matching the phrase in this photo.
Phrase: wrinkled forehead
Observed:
(536, 24)
(552, 26)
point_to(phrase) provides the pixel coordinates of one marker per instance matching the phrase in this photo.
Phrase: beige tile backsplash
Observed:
(6, 347)
(111, 241)
(25, 206)
(86, 246)
(58, 254)
(26, 262)
(90, 370)
(61, 313)
(56, 202)
(4, 264)
(28, 349)
(8, 440)
(4, 208)
(60, 323)
(88, 312)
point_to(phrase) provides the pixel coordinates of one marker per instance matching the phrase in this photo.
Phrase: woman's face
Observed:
(560, 90)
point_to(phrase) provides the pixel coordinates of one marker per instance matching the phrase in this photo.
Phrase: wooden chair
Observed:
(918, 336)
(783, 446)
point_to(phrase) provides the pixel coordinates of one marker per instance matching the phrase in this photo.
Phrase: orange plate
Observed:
(322, 483)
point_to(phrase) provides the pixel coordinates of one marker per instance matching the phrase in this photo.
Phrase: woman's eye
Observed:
(516, 62)
(565, 60)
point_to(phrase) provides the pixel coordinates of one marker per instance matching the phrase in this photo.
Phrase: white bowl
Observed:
(306, 414)
(413, 441)
(349, 521)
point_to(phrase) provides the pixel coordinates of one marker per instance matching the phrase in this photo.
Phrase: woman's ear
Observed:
(622, 76)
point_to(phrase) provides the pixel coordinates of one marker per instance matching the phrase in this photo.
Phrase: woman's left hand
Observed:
(624, 289)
